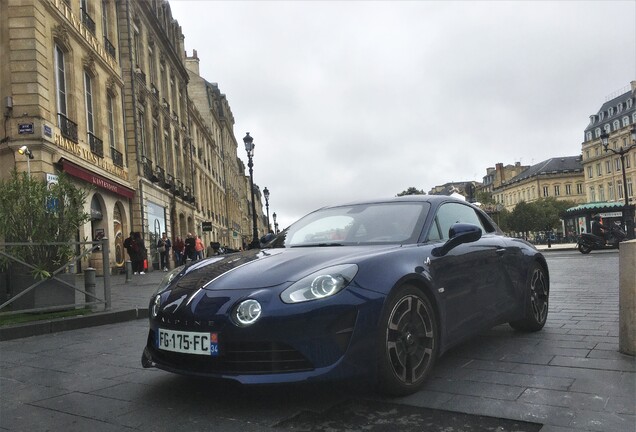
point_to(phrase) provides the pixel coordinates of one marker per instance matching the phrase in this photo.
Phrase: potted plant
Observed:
(48, 216)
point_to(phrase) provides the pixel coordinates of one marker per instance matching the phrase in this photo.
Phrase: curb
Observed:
(19, 331)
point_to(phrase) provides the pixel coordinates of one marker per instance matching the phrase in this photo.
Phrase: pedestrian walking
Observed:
(163, 247)
(179, 247)
(199, 247)
(140, 254)
(190, 244)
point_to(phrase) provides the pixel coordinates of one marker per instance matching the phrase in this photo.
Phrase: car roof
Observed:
(433, 199)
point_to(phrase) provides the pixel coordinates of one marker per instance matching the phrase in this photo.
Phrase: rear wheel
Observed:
(536, 304)
(407, 342)
(584, 249)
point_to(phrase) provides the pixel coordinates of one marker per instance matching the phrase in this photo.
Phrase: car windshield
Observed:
(361, 224)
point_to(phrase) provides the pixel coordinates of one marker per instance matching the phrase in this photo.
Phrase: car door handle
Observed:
(501, 251)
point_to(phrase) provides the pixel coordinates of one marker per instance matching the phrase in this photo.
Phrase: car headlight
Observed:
(246, 313)
(321, 284)
(169, 277)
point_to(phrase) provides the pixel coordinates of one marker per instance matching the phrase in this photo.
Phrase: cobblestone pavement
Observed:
(568, 377)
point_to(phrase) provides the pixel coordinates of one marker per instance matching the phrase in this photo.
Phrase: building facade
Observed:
(603, 169)
(62, 91)
(99, 89)
(561, 178)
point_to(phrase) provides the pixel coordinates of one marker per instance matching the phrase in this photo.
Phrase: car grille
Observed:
(244, 357)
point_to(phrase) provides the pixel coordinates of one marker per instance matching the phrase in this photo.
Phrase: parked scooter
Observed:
(586, 242)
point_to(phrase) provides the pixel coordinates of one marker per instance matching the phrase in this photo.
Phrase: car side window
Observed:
(451, 213)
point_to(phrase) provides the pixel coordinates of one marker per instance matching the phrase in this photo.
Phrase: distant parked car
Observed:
(375, 289)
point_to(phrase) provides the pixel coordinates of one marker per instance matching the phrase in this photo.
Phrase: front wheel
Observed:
(584, 249)
(536, 301)
(407, 342)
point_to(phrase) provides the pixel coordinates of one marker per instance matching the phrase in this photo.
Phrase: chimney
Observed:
(192, 63)
(633, 84)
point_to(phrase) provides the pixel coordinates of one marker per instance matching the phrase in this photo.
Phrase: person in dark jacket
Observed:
(140, 254)
(190, 247)
(163, 247)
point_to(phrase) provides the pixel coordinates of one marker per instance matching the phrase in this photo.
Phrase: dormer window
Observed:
(625, 121)
(592, 119)
(629, 103)
(616, 125)
(597, 132)
(607, 128)
(611, 111)
(620, 107)
(601, 115)
(588, 136)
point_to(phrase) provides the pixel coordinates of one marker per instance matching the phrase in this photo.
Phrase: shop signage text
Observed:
(88, 156)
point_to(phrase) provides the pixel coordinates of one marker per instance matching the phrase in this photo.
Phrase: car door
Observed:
(469, 275)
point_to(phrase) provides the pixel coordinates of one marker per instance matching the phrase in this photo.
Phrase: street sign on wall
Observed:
(206, 226)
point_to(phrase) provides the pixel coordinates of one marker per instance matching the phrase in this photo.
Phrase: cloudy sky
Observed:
(350, 100)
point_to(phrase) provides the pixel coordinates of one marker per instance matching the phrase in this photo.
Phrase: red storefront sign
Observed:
(97, 180)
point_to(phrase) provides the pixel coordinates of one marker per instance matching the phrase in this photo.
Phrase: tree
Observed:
(522, 218)
(412, 191)
(32, 211)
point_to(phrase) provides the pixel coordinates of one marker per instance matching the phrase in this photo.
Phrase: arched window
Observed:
(588, 136)
(607, 128)
(597, 132)
(625, 121)
(616, 125)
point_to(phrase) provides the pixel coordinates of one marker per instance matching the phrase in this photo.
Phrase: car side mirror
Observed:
(459, 233)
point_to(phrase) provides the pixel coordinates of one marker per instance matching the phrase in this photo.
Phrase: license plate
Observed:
(188, 342)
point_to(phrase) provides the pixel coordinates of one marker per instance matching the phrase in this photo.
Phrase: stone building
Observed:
(603, 169)
(225, 181)
(100, 90)
(159, 146)
(498, 174)
(559, 177)
(62, 88)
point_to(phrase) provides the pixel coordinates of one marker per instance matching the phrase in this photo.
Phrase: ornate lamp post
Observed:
(275, 224)
(249, 148)
(266, 195)
(24, 150)
(622, 151)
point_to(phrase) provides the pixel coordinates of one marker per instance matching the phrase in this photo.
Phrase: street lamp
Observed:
(622, 151)
(24, 150)
(249, 148)
(275, 224)
(266, 195)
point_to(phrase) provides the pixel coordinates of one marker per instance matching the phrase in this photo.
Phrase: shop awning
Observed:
(96, 179)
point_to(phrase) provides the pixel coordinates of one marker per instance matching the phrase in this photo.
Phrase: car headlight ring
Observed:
(321, 284)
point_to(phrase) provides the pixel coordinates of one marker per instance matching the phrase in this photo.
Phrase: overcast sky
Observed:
(350, 100)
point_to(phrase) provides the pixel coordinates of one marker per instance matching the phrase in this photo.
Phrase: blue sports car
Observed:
(375, 289)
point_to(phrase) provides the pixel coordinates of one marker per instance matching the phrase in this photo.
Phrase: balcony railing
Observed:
(154, 90)
(165, 104)
(110, 48)
(96, 145)
(68, 128)
(141, 75)
(169, 184)
(88, 21)
(179, 188)
(147, 166)
(117, 157)
(161, 175)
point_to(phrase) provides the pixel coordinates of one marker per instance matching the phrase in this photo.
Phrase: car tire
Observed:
(407, 341)
(536, 301)
(584, 249)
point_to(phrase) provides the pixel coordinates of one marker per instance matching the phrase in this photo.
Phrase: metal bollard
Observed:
(128, 267)
(89, 287)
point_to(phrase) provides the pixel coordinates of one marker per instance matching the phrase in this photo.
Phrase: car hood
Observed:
(264, 268)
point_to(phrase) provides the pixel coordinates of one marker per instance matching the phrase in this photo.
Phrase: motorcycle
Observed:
(586, 242)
